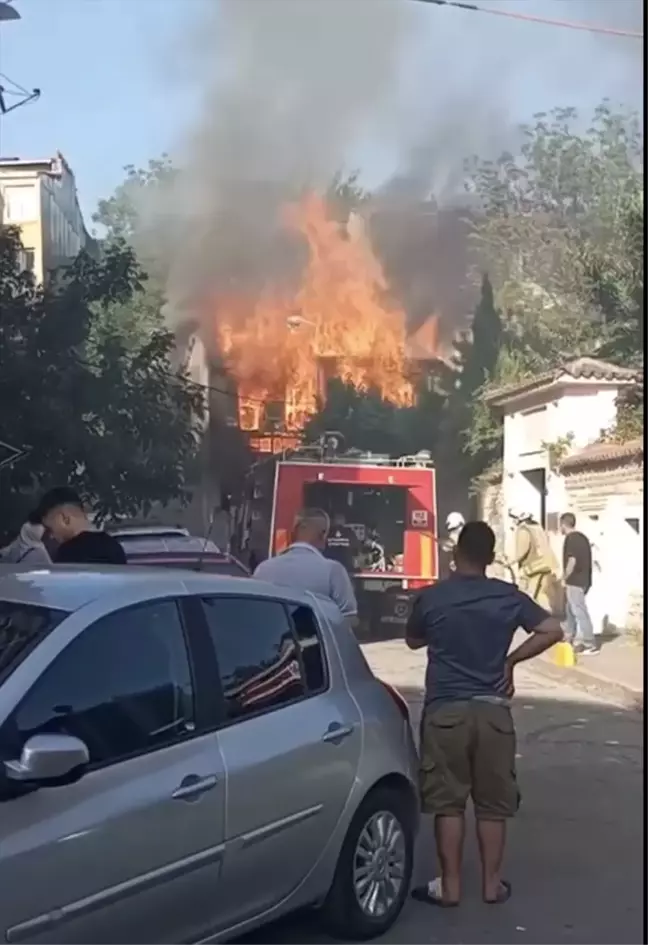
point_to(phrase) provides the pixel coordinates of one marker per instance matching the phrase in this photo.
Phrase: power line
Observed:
(546, 21)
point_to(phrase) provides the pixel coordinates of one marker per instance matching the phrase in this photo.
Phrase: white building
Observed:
(550, 466)
(40, 198)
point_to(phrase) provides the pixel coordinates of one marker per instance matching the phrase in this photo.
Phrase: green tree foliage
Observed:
(111, 418)
(370, 423)
(561, 230)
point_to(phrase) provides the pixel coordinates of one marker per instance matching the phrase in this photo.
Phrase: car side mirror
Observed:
(48, 758)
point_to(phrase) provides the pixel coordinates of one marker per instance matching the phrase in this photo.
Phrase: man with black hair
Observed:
(577, 575)
(62, 513)
(467, 623)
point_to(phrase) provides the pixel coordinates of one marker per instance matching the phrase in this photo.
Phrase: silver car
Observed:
(185, 757)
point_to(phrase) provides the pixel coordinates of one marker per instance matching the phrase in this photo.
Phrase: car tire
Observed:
(342, 913)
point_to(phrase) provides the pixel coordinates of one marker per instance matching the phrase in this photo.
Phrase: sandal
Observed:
(432, 895)
(502, 896)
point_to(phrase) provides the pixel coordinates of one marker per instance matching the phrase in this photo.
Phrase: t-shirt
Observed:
(468, 624)
(90, 548)
(304, 567)
(577, 546)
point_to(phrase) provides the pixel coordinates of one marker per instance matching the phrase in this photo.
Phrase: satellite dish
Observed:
(7, 12)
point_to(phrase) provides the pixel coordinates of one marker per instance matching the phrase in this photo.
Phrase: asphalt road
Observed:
(575, 855)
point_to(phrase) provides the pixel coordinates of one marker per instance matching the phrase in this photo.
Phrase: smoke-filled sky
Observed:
(292, 90)
(122, 81)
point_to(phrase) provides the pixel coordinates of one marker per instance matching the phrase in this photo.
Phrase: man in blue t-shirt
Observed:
(467, 623)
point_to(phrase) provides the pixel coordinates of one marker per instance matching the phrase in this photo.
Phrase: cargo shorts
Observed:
(468, 750)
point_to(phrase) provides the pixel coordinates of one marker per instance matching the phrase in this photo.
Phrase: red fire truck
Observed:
(389, 504)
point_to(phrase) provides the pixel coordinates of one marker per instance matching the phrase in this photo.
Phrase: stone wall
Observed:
(491, 509)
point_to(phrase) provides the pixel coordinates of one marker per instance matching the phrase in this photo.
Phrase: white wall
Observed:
(581, 409)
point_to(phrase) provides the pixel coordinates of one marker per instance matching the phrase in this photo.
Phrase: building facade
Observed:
(40, 198)
(554, 461)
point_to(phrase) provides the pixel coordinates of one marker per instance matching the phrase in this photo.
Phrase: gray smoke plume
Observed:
(291, 87)
(294, 90)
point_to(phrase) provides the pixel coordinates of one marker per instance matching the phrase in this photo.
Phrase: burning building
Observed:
(338, 320)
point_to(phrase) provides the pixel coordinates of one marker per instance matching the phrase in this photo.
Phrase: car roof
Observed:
(69, 587)
(145, 531)
(156, 544)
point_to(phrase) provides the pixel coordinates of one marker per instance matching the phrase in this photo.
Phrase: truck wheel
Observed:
(374, 871)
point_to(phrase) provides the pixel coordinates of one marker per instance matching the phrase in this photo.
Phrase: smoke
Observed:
(291, 87)
(294, 90)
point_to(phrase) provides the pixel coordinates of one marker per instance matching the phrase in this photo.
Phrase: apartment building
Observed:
(40, 197)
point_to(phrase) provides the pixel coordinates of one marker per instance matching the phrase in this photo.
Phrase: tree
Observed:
(112, 419)
(561, 232)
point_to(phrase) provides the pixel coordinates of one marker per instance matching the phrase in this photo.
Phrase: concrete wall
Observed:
(608, 503)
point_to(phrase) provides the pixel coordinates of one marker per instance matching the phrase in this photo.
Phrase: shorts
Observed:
(468, 750)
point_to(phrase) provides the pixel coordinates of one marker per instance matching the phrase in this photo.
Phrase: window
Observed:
(123, 687)
(258, 656)
(22, 626)
(27, 259)
(21, 203)
(303, 620)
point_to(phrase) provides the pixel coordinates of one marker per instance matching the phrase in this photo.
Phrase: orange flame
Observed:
(341, 319)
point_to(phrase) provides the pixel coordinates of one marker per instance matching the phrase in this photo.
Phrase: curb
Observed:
(625, 696)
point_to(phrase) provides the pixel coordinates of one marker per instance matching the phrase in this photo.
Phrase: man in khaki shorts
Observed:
(467, 735)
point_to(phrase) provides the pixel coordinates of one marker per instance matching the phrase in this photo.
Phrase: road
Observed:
(575, 851)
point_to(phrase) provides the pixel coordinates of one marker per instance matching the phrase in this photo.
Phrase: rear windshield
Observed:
(227, 568)
(22, 626)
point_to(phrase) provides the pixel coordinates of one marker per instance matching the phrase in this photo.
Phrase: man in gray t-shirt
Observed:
(303, 564)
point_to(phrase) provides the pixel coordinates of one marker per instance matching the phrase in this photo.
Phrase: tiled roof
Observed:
(599, 453)
(579, 369)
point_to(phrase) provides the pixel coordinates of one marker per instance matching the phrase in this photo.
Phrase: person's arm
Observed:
(415, 627)
(569, 558)
(544, 632)
(342, 592)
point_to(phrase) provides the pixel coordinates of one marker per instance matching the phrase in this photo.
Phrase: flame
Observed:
(340, 320)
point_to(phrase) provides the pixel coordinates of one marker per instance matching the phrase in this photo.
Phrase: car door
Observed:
(291, 746)
(133, 851)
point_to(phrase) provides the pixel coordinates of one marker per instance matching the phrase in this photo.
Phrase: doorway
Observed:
(535, 494)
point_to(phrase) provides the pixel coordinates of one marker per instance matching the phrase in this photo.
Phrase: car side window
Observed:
(123, 686)
(258, 656)
(310, 644)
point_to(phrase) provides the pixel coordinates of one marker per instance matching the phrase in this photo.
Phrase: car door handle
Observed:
(193, 786)
(336, 732)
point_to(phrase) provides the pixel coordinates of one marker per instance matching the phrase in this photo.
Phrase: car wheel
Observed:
(373, 873)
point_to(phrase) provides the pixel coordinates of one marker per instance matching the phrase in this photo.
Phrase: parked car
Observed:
(156, 539)
(184, 757)
(209, 562)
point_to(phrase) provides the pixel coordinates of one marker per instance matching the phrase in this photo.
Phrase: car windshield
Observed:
(21, 627)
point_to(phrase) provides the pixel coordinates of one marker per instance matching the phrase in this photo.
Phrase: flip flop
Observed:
(503, 895)
(431, 894)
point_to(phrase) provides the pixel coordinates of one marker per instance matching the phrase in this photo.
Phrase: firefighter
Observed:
(454, 523)
(534, 563)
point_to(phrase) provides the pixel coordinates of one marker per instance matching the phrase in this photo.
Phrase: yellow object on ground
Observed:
(563, 655)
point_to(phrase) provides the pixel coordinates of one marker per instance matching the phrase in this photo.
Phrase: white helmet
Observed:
(454, 521)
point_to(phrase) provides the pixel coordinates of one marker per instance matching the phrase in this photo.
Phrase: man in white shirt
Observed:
(303, 564)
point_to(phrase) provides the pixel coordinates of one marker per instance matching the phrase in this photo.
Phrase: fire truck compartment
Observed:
(377, 514)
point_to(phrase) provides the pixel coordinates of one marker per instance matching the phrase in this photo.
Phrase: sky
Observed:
(118, 87)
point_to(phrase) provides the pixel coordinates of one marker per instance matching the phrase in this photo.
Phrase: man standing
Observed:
(534, 561)
(467, 623)
(454, 523)
(577, 574)
(62, 513)
(303, 564)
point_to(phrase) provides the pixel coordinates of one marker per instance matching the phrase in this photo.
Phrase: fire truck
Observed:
(390, 505)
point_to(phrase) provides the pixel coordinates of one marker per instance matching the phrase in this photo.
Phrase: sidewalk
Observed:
(616, 673)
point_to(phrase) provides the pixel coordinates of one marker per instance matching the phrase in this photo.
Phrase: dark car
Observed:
(209, 562)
